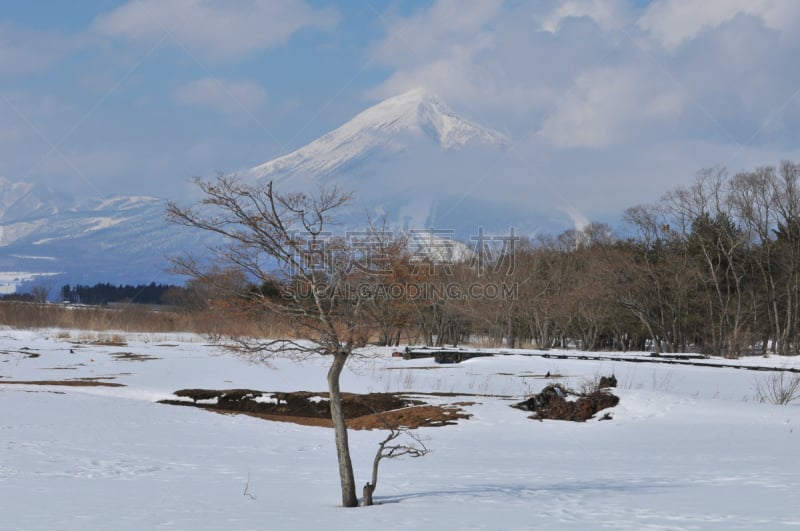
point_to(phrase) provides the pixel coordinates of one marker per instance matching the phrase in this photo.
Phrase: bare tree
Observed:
(384, 276)
(787, 247)
(284, 240)
(753, 197)
(655, 285)
(388, 448)
(40, 294)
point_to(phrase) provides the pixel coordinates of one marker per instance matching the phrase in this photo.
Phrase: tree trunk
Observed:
(349, 498)
(368, 489)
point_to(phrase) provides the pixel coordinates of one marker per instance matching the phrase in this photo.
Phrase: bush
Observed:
(779, 388)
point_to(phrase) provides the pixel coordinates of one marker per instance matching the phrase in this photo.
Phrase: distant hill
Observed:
(409, 158)
(119, 239)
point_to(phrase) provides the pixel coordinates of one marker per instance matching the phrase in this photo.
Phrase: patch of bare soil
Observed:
(554, 403)
(130, 356)
(79, 382)
(24, 351)
(109, 343)
(363, 412)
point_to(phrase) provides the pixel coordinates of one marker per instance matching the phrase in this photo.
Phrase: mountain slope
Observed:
(415, 161)
(21, 201)
(391, 127)
(118, 239)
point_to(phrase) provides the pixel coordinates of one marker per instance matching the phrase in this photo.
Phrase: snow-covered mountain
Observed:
(390, 127)
(414, 160)
(121, 239)
(21, 201)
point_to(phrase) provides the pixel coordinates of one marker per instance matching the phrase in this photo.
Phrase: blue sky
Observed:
(609, 100)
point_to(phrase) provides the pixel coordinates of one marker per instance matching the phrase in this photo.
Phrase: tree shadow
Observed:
(530, 491)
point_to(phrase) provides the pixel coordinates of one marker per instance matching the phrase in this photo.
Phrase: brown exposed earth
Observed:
(130, 356)
(363, 412)
(80, 382)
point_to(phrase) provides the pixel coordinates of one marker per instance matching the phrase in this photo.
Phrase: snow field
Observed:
(688, 448)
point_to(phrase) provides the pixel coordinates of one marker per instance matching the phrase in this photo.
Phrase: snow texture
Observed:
(688, 447)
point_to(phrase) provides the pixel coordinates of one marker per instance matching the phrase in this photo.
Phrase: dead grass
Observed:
(139, 318)
(363, 412)
(411, 418)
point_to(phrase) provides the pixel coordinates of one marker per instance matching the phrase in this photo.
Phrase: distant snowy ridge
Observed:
(438, 248)
(27, 210)
(10, 192)
(125, 238)
(386, 126)
(20, 201)
(125, 202)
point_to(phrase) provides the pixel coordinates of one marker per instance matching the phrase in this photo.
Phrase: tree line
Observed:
(713, 268)
(105, 293)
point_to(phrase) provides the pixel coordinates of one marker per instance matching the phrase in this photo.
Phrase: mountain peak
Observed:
(418, 110)
(389, 126)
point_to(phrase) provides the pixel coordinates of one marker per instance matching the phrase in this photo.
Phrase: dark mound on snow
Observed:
(554, 403)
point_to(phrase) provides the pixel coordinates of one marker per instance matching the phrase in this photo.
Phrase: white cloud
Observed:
(435, 47)
(233, 98)
(498, 58)
(470, 53)
(608, 14)
(217, 29)
(612, 102)
(438, 30)
(451, 76)
(608, 105)
(578, 219)
(674, 22)
(574, 72)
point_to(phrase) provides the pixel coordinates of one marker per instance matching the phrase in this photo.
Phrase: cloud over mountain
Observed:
(416, 161)
(216, 29)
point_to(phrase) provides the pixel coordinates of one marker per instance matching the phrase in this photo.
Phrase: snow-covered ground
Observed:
(688, 447)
